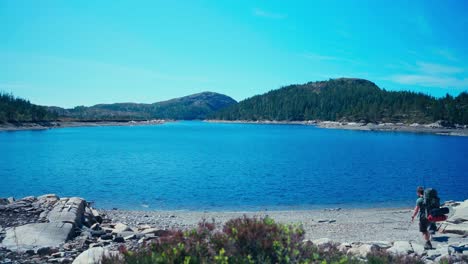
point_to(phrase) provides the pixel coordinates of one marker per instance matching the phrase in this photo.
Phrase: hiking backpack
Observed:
(431, 200)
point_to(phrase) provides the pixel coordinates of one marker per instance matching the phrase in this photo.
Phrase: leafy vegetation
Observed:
(347, 99)
(244, 240)
(196, 106)
(13, 109)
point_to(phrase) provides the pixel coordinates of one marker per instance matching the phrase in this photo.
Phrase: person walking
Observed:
(423, 222)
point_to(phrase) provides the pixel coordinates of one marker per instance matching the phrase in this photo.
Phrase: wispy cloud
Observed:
(319, 57)
(430, 81)
(267, 14)
(433, 75)
(432, 68)
(326, 57)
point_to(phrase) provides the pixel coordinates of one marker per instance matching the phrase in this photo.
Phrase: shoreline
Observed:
(434, 128)
(48, 228)
(10, 127)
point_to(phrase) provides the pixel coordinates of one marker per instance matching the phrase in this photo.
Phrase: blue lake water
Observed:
(206, 166)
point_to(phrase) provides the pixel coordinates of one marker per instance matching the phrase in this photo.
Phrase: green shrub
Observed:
(244, 240)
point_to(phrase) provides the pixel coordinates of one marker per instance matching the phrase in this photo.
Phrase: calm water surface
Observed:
(205, 166)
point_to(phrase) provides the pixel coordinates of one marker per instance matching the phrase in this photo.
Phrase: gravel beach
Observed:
(340, 225)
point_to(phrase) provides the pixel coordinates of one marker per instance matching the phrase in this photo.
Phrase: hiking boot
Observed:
(428, 245)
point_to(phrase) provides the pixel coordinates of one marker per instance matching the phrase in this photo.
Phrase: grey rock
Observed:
(98, 233)
(93, 256)
(43, 251)
(69, 210)
(4, 201)
(344, 247)
(363, 250)
(106, 237)
(432, 254)
(119, 239)
(322, 242)
(36, 235)
(28, 199)
(418, 248)
(400, 248)
(119, 228)
(96, 227)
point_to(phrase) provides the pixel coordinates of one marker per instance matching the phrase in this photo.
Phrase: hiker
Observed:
(423, 222)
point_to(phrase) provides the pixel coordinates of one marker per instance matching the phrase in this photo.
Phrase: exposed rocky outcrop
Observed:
(63, 230)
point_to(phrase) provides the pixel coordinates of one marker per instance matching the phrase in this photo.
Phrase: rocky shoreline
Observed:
(49, 229)
(438, 128)
(63, 124)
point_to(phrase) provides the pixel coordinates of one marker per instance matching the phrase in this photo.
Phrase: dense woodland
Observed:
(196, 106)
(13, 109)
(347, 99)
(341, 99)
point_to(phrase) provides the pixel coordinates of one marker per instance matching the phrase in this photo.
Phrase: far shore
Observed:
(434, 128)
(63, 124)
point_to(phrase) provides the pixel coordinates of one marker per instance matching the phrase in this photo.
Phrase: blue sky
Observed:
(69, 53)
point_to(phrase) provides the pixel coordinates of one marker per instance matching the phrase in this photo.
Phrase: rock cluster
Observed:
(453, 253)
(63, 230)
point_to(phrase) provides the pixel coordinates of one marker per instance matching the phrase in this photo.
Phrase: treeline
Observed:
(195, 106)
(14, 109)
(347, 99)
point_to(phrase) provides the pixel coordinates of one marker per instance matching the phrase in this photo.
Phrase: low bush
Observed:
(243, 240)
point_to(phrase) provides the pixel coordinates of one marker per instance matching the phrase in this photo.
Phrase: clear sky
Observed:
(69, 53)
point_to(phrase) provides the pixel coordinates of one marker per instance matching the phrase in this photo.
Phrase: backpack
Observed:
(431, 200)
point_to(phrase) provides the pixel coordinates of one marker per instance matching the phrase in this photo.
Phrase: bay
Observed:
(194, 165)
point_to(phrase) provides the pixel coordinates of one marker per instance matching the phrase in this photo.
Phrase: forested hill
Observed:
(196, 106)
(347, 99)
(14, 109)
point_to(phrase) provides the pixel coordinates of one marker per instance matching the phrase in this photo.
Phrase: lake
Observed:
(212, 166)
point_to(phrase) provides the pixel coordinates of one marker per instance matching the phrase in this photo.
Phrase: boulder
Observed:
(37, 235)
(322, 242)
(344, 247)
(119, 228)
(458, 222)
(418, 248)
(363, 250)
(94, 256)
(155, 231)
(433, 254)
(68, 210)
(4, 201)
(48, 198)
(65, 215)
(400, 248)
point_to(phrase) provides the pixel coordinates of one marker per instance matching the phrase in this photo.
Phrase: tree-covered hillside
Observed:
(347, 99)
(196, 106)
(13, 109)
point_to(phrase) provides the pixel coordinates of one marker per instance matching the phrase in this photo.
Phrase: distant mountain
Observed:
(196, 106)
(13, 109)
(347, 99)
